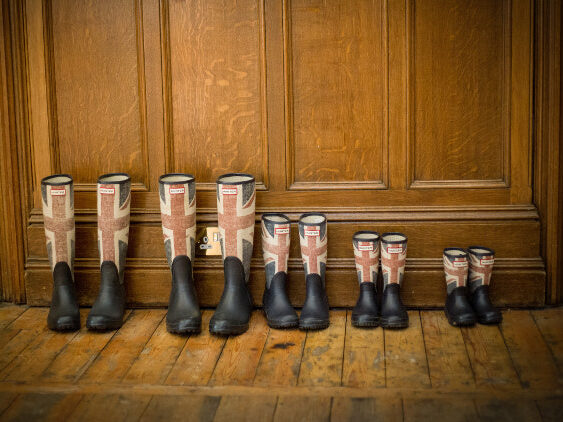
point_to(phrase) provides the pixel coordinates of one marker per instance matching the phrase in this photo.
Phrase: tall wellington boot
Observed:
(275, 246)
(366, 255)
(481, 261)
(178, 214)
(393, 257)
(313, 240)
(58, 216)
(458, 310)
(114, 203)
(236, 196)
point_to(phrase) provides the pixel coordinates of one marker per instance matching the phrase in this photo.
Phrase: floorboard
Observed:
(142, 373)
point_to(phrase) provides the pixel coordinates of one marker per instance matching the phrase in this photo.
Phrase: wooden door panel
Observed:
(217, 89)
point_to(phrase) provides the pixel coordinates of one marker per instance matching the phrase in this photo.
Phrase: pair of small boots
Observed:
(474, 267)
(276, 235)
(114, 197)
(393, 256)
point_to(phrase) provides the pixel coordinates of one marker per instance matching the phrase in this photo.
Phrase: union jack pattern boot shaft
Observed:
(313, 240)
(366, 254)
(458, 309)
(114, 204)
(276, 236)
(393, 258)
(481, 261)
(58, 216)
(236, 196)
(178, 214)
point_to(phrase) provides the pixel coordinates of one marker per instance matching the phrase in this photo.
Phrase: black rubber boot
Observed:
(278, 309)
(63, 314)
(393, 312)
(233, 311)
(183, 314)
(107, 312)
(365, 313)
(458, 310)
(484, 309)
(314, 315)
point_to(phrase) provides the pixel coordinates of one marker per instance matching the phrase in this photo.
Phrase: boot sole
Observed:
(282, 325)
(105, 327)
(454, 323)
(231, 331)
(493, 321)
(65, 327)
(186, 330)
(368, 324)
(397, 324)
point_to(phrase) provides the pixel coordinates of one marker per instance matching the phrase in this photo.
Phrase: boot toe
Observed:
(313, 323)
(395, 321)
(284, 321)
(465, 320)
(227, 327)
(184, 326)
(103, 323)
(64, 323)
(365, 320)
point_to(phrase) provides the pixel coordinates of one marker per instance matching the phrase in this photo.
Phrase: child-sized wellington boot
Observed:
(458, 310)
(481, 261)
(366, 255)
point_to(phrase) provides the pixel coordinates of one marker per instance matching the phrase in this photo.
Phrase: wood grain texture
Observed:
(217, 71)
(364, 357)
(50, 407)
(339, 115)
(115, 407)
(177, 408)
(460, 133)
(252, 409)
(405, 356)
(292, 408)
(448, 361)
(428, 410)
(322, 356)
(513, 410)
(366, 409)
(546, 321)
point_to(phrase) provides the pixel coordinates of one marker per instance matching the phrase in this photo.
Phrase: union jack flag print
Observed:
(276, 234)
(481, 261)
(313, 240)
(366, 255)
(393, 257)
(455, 268)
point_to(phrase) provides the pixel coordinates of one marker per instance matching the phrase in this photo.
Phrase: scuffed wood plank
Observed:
(6, 399)
(181, 408)
(461, 410)
(321, 364)
(551, 410)
(157, 358)
(405, 357)
(241, 354)
(507, 410)
(364, 362)
(445, 350)
(110, 407)
(246, 409)
(199, 357)
(279, 365)
(549, 322)
(124, 347)
(530, 354)
(38, 355)
(8, 313)
(366, 409)
(78, 355)
(42, 406)
(296, 408)
(489, 357)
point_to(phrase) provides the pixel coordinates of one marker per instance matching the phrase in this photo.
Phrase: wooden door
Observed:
(386, 115)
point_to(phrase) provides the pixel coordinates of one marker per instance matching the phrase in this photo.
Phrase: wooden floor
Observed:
(512, 372)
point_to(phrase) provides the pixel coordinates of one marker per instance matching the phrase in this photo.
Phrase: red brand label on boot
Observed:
(58, 192)
(487, 261)
(174, 191)
(365, 246)
(107, 191)
(460, 263)
(311, 232)
(394, 249)
(229, 191)
(281, 230)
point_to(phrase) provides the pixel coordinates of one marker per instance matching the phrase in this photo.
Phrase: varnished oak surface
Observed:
(513, 372)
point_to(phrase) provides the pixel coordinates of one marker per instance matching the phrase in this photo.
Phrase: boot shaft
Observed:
(178, 214)
(481, 261)
(114, 204)
(57, 195)
(366, 255)
(393, 257)
(313, 240)
(276, 236)
(236, 201)
(455, 268)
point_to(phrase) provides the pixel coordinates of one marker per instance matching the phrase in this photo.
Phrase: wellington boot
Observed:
(458, 309)
(183, 314)
(63, 314)
(314, 315)
(107, 312)
(365, 313)
(393, 312)
(484, 309)
(278, 309)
